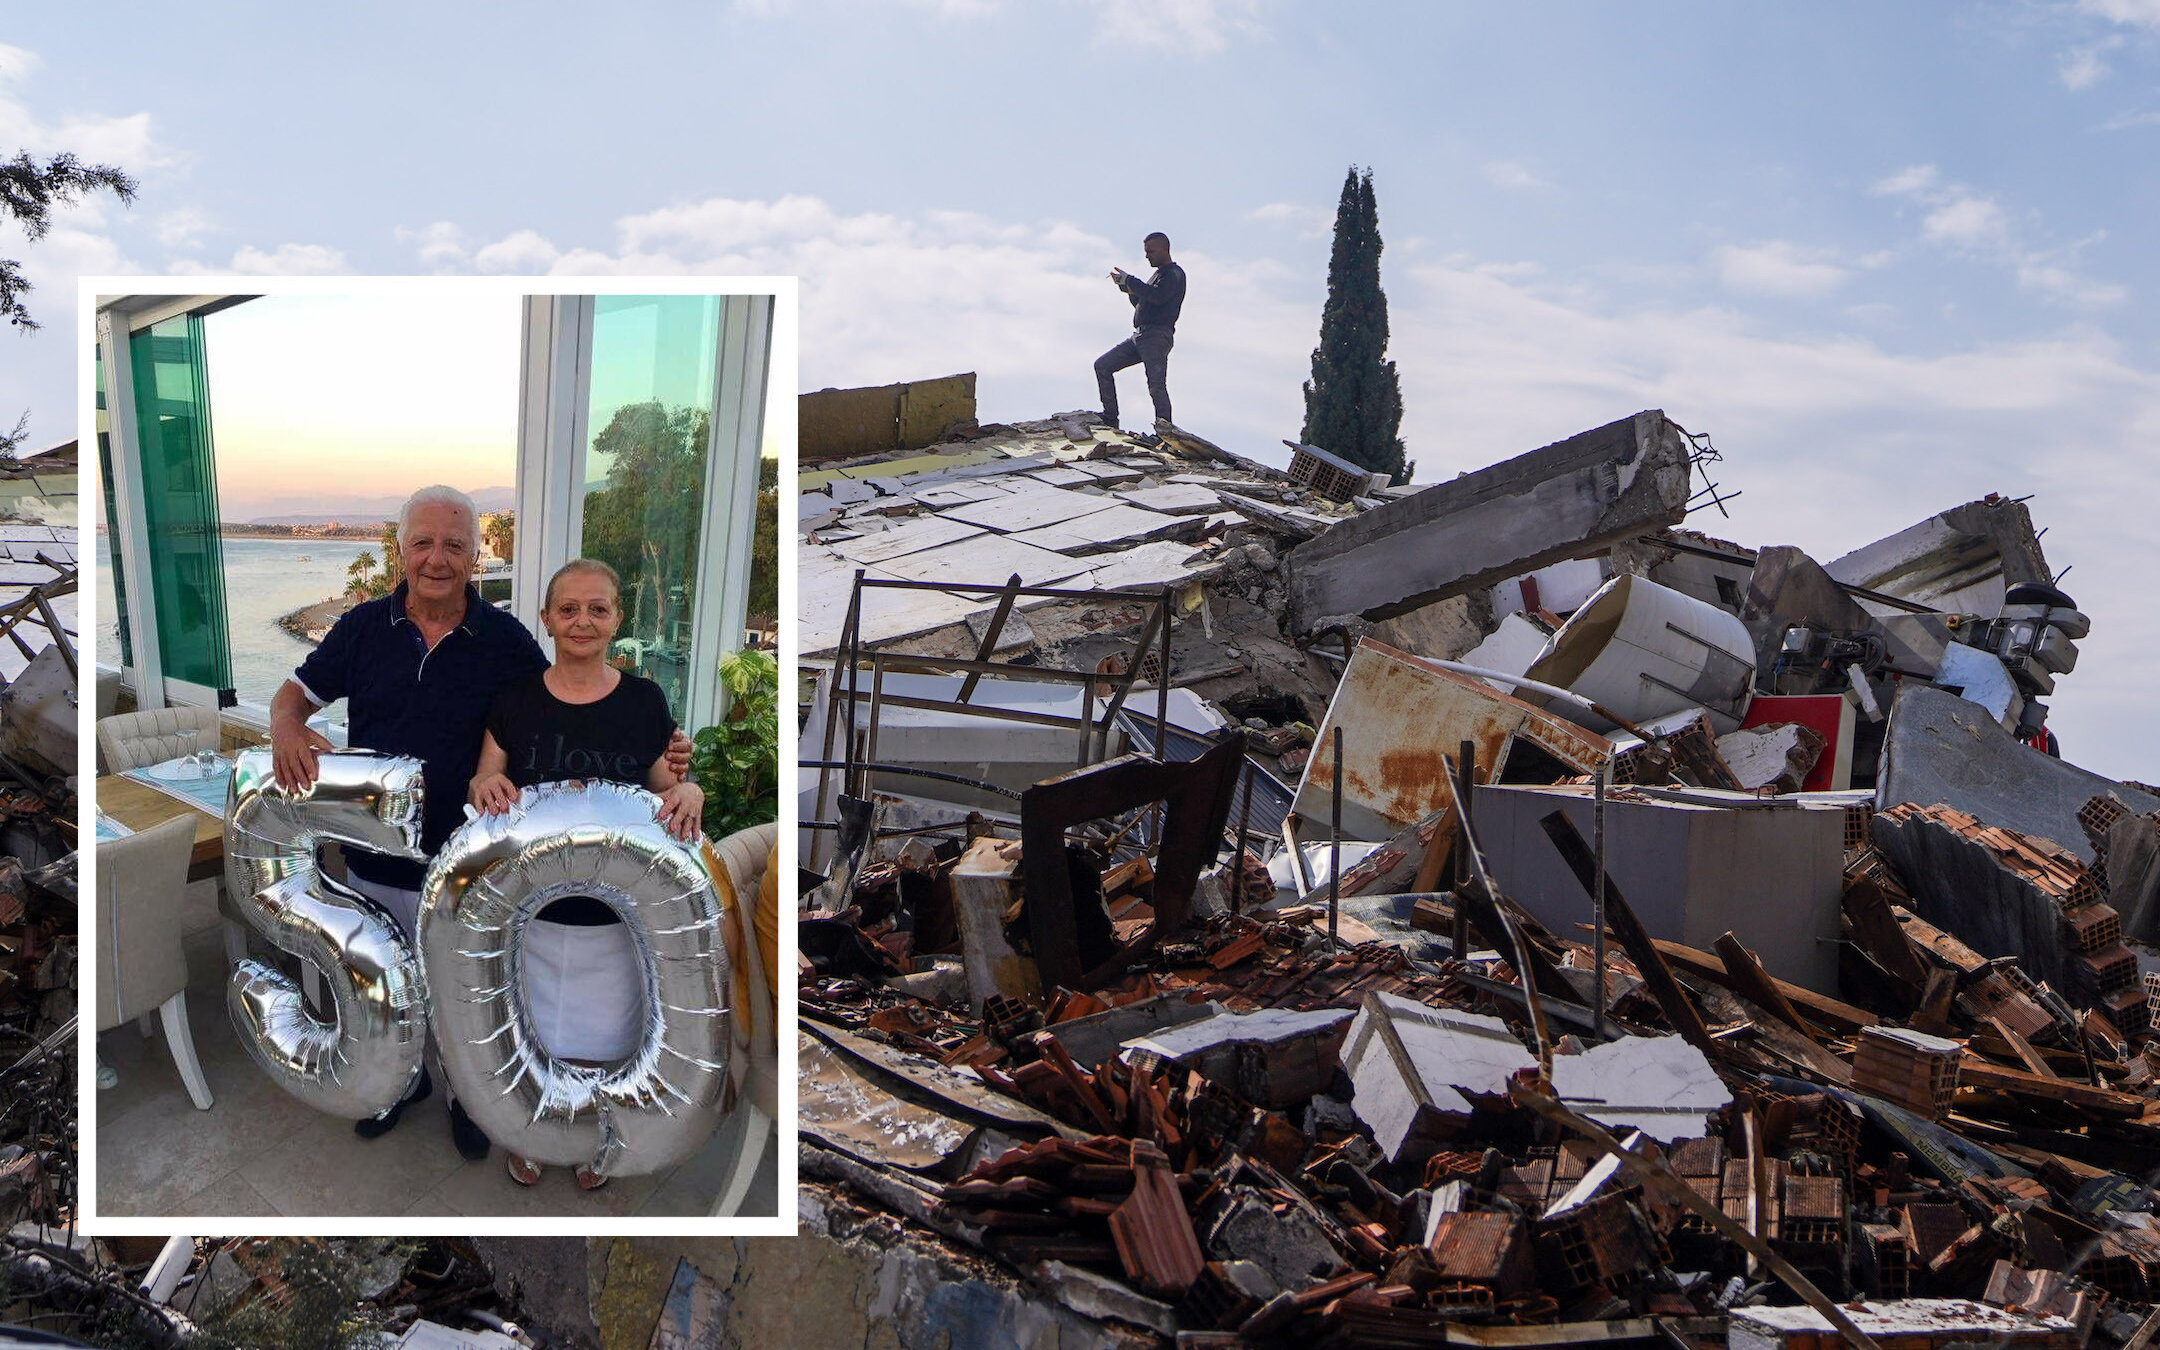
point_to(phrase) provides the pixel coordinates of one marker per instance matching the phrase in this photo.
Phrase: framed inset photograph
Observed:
(438, 649)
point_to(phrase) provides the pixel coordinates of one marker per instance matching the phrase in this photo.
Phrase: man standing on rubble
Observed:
(1155, 303)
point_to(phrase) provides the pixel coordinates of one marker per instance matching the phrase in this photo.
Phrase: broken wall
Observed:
(1773, 876)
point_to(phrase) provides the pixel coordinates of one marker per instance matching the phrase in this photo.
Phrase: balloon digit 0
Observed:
(646, 1112)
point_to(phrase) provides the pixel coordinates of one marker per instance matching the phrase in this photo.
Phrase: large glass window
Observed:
(180, 508)
(650, 415)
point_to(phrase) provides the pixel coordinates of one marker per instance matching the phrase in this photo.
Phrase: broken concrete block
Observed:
(1569, 499)
(1400, 714)
(1645, 651)
(1961, 561)
(1271, 1058)
(1776, 758)
(1290, 1247)
(1944, 749)
(1773, 873)
(1660, 1085)
(982, 890)
(1418, 1072)
(1911, 1324)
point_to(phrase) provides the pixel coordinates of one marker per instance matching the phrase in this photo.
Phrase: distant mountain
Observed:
(363, 510)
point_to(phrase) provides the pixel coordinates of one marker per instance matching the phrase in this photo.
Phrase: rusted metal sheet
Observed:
(1400, 716)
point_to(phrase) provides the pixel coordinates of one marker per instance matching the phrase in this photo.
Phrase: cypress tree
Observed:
(1353, 402)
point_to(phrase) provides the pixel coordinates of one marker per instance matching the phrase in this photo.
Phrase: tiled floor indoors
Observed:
(258, 1151)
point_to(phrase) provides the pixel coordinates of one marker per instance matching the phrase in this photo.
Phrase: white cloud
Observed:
(180, 228)
(1962, 220)
(1506, 173)
(1199, 26)
(2138, 13)
(525, 251)
(286, 260)
(2125, 121)
(1308, 222)
(1779, 267)
(440, 244)
(2081, 68)
(1967, 222)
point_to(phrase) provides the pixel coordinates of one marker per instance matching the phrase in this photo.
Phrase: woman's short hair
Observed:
(439, 494)
(592, 565)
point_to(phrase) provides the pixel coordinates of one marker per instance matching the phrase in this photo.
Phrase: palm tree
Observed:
(361, 570)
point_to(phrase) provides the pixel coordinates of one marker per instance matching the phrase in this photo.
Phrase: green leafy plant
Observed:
(737, 761)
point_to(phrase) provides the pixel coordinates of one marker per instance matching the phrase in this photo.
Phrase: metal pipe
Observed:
(1334, 879)
(1465, 761)
(1549, 690)
(1597, 898)
(1244, 822)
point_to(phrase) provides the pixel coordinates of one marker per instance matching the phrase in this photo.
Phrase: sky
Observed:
(1890, 258)
(419, 389)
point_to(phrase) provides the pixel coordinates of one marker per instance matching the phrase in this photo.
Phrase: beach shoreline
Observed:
(309, 622)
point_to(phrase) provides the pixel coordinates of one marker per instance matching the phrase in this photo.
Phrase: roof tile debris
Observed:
(1858, 1056)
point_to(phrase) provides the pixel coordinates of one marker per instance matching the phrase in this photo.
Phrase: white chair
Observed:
(131, 740)
(141, 911)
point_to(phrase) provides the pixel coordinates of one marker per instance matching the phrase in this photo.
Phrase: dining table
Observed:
(140, 799)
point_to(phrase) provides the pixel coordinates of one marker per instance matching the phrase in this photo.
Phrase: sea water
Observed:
(265, 580)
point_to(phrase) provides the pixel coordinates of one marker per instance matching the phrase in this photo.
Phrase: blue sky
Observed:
(1889, 257)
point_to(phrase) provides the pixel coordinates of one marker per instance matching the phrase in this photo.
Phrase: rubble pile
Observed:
(260, 1292)
(1489, 913)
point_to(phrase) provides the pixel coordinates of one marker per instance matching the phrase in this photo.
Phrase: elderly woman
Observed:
(582, 719)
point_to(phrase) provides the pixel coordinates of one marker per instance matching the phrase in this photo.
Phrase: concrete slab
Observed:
(1944, 749)
(1031, 508)
(1102, 531)
(984, 559)
(1660, 1085)
(1412, 1066)
(911, 536)
(1177, 499)
(1569, 499)
(1961, 560)
(1151, 567)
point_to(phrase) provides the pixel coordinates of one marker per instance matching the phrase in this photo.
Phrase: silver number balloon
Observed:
(638, 1115)
(367, 1058)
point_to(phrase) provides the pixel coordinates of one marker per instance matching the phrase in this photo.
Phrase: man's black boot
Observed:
(375, 1127)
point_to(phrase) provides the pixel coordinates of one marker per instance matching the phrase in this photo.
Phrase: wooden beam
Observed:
(1752, 981)
(1976, 1072)
(1828, 1013)
(1679, 1009)
(2023, 1049)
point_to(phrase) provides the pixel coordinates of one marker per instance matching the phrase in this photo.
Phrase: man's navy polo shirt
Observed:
(403, 699)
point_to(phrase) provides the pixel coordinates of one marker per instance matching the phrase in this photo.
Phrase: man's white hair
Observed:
(438, 494)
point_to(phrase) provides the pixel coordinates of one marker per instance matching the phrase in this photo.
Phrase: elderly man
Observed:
(418, 669)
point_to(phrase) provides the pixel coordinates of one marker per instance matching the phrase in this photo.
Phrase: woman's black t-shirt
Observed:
(615, 738)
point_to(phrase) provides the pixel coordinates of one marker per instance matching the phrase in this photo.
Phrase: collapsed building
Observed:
(1246, 908)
